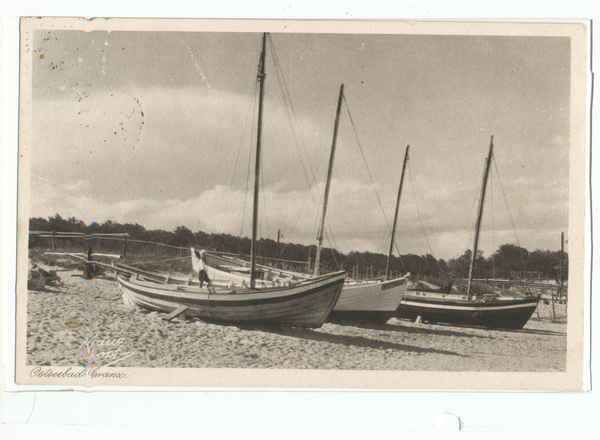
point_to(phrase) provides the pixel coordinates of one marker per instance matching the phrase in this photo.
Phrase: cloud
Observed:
(163, 144)
(356, 217)
(126, 137)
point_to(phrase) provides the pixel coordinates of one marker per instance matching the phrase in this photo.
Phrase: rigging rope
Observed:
(418, 210)
(264, 210)
(509, 213)
(293, 120)
(337, 265)
(367, 166)
(248, 171)
(156, 261)
(387, 223)
(249, 112)
(465, 241)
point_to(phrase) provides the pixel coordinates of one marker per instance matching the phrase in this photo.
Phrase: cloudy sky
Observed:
(157, 128)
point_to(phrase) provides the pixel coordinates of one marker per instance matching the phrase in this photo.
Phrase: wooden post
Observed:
(277, 248)
(53, 243)
(125, 246)
(562, 269)
(88, 271)
(562, 259)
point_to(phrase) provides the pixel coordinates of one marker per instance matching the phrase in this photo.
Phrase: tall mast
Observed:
(261, 80)
(479, 216)
(329, 172)
(387, 266)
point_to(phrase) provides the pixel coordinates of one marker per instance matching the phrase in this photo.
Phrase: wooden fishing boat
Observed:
(369, 301)
(303, 304)
(366, 301)
(372, 301)
(494, 311)
(306, 304)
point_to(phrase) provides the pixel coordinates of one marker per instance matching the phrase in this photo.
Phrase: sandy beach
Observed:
(127, 336)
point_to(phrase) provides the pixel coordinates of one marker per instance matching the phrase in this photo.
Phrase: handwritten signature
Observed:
(117, 349)
(113, 350)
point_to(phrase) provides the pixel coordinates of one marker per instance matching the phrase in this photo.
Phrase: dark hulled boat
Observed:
(488, 311)
(494, 311)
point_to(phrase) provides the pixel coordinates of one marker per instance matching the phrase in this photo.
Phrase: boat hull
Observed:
(373, 302)
(509, 313)
(304, 305)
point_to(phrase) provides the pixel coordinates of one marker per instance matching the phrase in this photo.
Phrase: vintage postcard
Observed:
(302, 204)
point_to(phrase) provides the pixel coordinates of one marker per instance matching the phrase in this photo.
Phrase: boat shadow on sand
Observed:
(493, 331)
(530, 331)
(356, 341)
(408, 330)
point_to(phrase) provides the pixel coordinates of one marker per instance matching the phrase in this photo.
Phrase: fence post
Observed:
(125, 246)
(53, 243)
(88, 271)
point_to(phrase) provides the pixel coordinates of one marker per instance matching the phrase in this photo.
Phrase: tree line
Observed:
(508, 261)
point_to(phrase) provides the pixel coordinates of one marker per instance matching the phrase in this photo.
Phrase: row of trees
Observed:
(513, 261)
(504, 262)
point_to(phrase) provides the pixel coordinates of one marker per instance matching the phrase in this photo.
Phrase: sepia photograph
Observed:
(302, 204)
